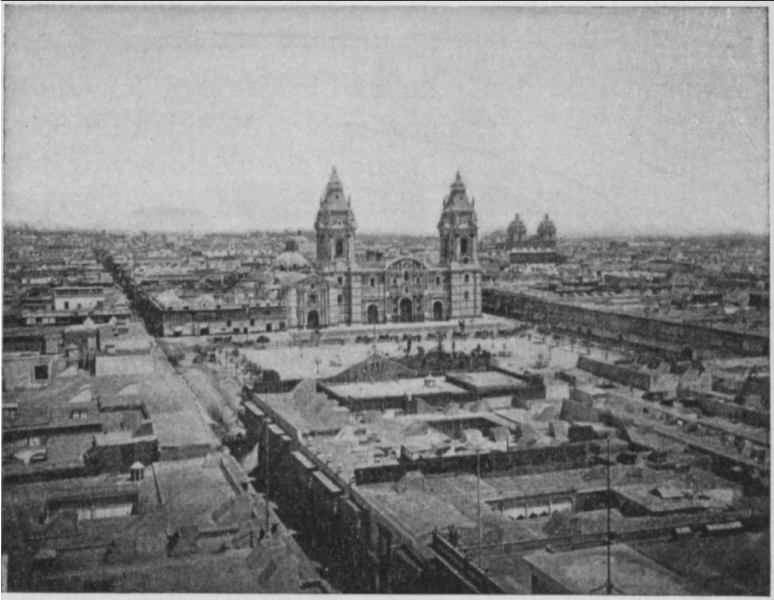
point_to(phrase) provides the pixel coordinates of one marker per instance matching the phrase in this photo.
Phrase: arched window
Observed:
(464, 246)
(339, 248)
(405, 276)
(341, 299)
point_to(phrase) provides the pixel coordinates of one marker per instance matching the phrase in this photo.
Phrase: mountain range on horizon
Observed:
(193, 221)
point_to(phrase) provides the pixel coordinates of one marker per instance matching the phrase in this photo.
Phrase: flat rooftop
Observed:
(177, 419)
(383, 389)
(353, 441)
(452, 500)
(191, 489)
(664, 499)
(584, 571)
(729, 565)
(595, 479)
(488, 379)
(306, 410)
(190, 496)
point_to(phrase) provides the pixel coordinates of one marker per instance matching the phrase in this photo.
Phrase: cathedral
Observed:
(348, 289)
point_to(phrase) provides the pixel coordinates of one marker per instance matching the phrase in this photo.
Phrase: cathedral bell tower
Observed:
(458, 227)
(335, 226)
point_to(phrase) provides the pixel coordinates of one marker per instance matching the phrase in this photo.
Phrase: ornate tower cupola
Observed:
(335, 225)
(458, 226)
(517, 232)
(546, 232)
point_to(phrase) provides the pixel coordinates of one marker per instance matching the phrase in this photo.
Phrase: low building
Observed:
(169, 315)
(78, 298)
(404, 501)
(585, 572)
(191, 526)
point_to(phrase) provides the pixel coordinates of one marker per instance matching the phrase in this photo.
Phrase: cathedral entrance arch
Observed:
(313, 319)
(372, 314)
(438, 311)
(406, 308)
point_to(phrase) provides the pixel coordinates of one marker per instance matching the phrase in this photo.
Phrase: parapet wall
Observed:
(618, 373)
(517, 461)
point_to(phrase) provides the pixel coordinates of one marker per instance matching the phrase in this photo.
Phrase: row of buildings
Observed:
(340, 287)
(484, 482)
(511, 458)
(113, 480)
(599, 316)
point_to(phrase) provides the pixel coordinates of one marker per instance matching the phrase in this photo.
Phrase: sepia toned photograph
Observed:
(386, 299)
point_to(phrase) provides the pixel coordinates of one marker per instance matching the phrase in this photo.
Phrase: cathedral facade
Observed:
(348, 289)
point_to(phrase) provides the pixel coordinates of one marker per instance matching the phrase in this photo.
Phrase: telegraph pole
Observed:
(478, 503)
(609, 581)
(608, 585)
(267, 477)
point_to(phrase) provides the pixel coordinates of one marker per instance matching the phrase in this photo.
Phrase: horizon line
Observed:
(289, 230)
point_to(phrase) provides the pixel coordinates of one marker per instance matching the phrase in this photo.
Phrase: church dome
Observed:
(517, 229)
(291, 261)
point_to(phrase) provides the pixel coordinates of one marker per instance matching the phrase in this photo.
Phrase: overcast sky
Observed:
(613, 121)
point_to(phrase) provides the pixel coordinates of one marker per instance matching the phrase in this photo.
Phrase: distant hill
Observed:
(168, 219)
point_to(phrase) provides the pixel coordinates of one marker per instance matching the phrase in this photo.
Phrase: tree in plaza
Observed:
(254, 370)
(271, 375)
